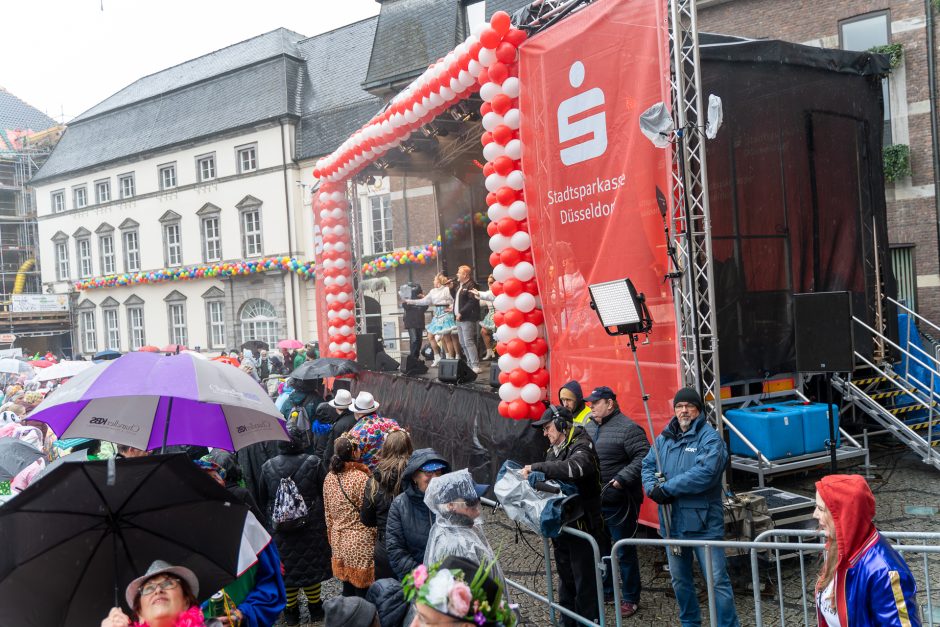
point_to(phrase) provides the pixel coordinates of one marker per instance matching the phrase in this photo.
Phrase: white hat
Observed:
(364, 404)
(342, 400)
(160, 567)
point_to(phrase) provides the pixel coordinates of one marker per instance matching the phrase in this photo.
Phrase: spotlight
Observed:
(621, 310)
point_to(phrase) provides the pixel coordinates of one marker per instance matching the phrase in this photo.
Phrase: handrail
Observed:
(914, 313)
(899, 347)
(747, 442)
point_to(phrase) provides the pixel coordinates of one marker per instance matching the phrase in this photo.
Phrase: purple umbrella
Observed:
(146, 400)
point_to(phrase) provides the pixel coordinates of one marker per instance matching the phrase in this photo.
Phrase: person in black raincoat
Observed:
(305, 551)
(409, 519)
(382, 487)
(332, 419)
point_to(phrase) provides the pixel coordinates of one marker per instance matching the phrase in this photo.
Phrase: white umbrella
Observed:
(63, 370)
(9, 365)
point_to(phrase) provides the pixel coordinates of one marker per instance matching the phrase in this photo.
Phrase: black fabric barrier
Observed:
(459, 422)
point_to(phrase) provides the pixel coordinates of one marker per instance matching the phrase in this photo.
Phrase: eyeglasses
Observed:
(681, 406)
(166, 584)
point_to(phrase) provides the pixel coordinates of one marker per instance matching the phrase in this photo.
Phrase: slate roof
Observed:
(410, 35)
(334, 104)
(17, 115)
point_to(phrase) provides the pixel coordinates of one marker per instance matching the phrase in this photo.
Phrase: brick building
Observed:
(913, 207)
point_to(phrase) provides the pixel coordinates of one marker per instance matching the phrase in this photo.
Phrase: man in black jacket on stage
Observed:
(467, 314)
(573, 459)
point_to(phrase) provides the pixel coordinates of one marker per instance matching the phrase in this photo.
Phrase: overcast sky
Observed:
(64, 56)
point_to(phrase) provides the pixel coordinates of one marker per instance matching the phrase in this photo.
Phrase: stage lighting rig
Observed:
(621, 310)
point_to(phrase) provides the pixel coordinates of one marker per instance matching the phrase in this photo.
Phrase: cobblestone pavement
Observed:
(907, 493)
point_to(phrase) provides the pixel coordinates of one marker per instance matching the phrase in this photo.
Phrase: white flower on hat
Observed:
(439, 589)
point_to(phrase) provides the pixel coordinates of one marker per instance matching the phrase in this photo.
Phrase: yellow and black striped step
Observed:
(869, 380)
(890, 393)
(919, 426)
(907, 409)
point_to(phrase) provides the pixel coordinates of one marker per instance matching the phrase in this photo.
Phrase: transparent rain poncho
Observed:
(458, 528)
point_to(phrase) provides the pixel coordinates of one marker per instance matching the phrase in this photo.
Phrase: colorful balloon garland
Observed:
(417, 254)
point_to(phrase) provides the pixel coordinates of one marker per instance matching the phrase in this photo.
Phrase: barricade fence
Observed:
(779, 567)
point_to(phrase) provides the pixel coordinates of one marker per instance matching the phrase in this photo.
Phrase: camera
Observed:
(410, 291)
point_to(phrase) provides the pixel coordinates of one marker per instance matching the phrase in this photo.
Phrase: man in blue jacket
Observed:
(693, 456)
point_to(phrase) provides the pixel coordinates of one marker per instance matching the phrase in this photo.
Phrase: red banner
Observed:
(590, 186)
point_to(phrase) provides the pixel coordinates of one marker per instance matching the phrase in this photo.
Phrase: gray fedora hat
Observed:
(159, 567)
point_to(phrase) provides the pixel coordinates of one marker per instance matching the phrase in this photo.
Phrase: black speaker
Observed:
(413, 365)
(455, 371)
(822, 328)
(494, 375)
(384, 363)
(365, 350)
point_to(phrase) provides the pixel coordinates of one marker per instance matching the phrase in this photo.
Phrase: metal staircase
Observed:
(903, 397)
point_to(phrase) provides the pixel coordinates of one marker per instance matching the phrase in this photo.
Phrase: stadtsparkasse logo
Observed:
(590, 131)
(113, 424)
(253, 427)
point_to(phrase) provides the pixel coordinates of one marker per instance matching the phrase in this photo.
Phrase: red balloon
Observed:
(540, 377)
(498, 73)
(503, 378)
(502, 134)
(497, 288)
(489, 168)
(489, 38)
(509, 257)
(502, 165)
(498, 318)
(491, 199)
(527, 254)
(316, 173)
(501, 22)
(486, 138)
(506, 53)
(515, 36)
(503, 408)
(501, 350)
(506, 226)
(475, 50)
(505, 195)
(531, 287)
(483, 77)
(518, 409)
(494, 260)
(512, 286)
(536, 410)
(518, 377)
(491, 229)
(350, 338)
(485, 108)
(538, 346)
(500, 104)
(464, 61)
(535, 317)
(513, 317)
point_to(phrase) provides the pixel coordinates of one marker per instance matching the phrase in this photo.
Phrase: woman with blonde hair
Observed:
(443, 324)
(381, 489)
(352, 542)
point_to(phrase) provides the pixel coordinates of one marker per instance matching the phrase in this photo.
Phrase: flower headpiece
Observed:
(445, 590)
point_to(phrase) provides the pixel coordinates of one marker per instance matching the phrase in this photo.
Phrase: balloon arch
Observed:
(487, 61)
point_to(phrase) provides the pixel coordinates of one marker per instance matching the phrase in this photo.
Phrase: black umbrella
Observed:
(15, 455)
(75, 538)
(324, 368)
(106, 355)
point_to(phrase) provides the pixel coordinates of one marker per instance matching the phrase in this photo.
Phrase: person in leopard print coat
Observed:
(352, 542)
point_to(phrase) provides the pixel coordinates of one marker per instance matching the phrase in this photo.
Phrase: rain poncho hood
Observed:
(458, 526)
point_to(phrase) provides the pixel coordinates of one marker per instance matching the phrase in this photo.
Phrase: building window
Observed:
(83, 247)
(211, 240)
(135, 323)
(80, 196)
(112, 330)
(173, 247)
(106, 244)
(205, 167)
(62, 261)
(131, 251)
(251, 232)
(247, 158)
(58, 201)
(863, 33)
(259, 322)
(126, 182)
(168, 176)
(89, 333)
(177, 315)
(381, 224)
(102, 191)
(216, 316)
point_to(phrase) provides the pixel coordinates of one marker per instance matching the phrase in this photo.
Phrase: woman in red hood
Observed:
(864, 582)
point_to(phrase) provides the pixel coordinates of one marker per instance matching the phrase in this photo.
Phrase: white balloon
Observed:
(334, 347)
(511, 87)
(521, 241)
(503, 302)
(524, 271)
(340, 247)
(529, 362)
(410, 116)
(512, 118)
(420, 110)
(339, 229)
(474, 68)
(344, 314)
(345, 329)
(343, 297)
(502, 272)
(518, 210)
(341, 280)
(494, 181)
(324, 214)
(337, 213)
(499, 243)
(340, 263)
(338, 196)
(455, 86)
(527, 332)
(491, 120)
(330, 299)
(324, 196)
(487, 57)
(447, 94)
(327, 230)
(531, 393)
(497, 212)
(525, 302)
(436, 99)
(466, 79)
(508, 363)
(332, 314)
(514, 149)
(333, 331)
(515, 179)
(505, 333)
(328, 263)
(345, 347)
(508, 392)
(490, 90)
(493, 151)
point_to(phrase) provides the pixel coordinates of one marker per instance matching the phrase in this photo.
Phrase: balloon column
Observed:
(519, 321)
(334, 265)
